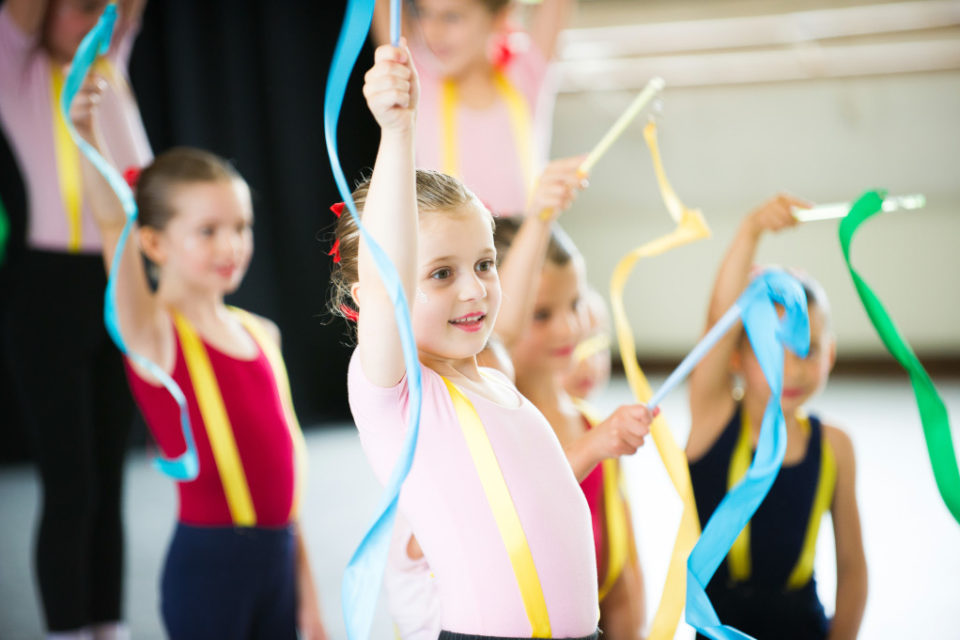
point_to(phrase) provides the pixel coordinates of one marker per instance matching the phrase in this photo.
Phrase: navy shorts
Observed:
(230, 582)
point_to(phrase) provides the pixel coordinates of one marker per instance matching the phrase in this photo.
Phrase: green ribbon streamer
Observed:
(4, 231)
(933, 413)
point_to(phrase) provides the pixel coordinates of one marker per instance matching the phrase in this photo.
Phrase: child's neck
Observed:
(451, 368)
(200, 308)
(475, 84)
(543, 389)
(755, 408)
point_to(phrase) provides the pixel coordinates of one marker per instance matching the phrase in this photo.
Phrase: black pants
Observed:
(75, 401)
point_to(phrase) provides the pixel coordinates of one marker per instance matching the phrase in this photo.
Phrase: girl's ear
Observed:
(151, 244)
(355, 293)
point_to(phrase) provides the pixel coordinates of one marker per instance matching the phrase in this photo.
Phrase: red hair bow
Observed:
(337, 209)
(349, 312)
(132, 176)
(335, 251)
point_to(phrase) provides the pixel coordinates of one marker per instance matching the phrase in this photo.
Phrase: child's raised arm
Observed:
(141, 319)
(711, 402)
(390, 212)
(549, 19)
(520, 268)
(28, 15)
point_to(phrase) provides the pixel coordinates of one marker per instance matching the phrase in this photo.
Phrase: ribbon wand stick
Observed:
(653, 87)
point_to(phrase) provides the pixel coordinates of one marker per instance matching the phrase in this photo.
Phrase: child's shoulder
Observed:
(268, 326)
(841, 444)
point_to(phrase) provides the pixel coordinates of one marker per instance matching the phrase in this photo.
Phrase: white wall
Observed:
(727, 148)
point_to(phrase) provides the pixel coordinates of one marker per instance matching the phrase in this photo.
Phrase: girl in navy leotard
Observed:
(766, 586)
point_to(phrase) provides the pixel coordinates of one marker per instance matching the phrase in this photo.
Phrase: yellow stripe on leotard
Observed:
(504, 512)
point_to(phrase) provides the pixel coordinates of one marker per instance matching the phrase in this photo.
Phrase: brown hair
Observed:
(560, 247)
(436, 192)
(180, 165)
(493, 6)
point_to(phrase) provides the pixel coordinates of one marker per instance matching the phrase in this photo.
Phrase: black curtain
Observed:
(245, 79)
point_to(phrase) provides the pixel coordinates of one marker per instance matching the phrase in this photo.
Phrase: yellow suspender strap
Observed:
(822, 500)
(217, 424)
(68, 156)
(269, 347)
(520, 125)
(450, 163)
(504, 512)
(617, 527)
(618, 532)
(738, 560)
(68, 163)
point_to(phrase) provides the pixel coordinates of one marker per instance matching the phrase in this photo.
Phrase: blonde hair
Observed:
(436, 193)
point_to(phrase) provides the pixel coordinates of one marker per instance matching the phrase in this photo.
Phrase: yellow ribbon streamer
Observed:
(521, 126)
(690, 227)
(739, 559)
(504, 512)
(591, 346)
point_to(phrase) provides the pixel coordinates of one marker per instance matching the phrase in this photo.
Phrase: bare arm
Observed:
(129, 13)
(390, 213)
(851, 562)
(520, 268)
(549, 19)
(28, 15)
(710, 383)
(619, 435)
(141, 320)
(309, 619)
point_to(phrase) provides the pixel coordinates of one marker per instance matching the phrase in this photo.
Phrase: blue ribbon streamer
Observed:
(364, 572)
(768, 336)
(97, 42)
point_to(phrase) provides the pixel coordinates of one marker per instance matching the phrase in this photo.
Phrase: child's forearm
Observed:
(519, 278)
(734, 271)
(851, 601)
(583, 456)
(390, 212)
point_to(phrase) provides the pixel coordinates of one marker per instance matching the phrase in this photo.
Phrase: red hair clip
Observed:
(335, 251)
(132, 176)
(337, 209)
(349, 312)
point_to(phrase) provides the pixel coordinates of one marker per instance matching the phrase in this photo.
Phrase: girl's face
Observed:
(458, 32)
(458, 289)
(802, 377)
(207, 244)
(67, 22)
(558, 325)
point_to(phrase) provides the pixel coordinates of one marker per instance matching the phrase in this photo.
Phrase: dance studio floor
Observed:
(912, 544)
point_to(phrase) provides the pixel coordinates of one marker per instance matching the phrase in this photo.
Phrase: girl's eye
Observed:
(541, 315)
(575, 305)
(207, 231)
(485, 265)
(441, 274)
